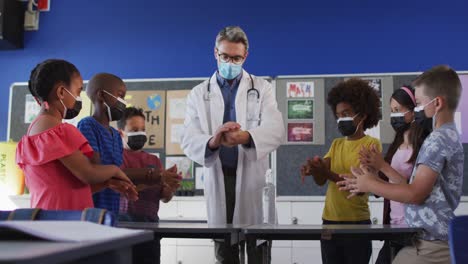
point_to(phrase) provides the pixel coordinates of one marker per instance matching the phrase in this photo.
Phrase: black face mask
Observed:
(116, 111)
(346, 126)
(70, 113)
(399, 124)
(423, 121)
(136, 140)
(75, 111)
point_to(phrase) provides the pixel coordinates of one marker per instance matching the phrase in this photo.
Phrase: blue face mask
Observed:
(228, 70)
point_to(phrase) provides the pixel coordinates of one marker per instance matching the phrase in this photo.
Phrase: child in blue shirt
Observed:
(106, 92)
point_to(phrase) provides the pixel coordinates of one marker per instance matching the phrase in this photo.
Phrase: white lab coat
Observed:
(203, 117)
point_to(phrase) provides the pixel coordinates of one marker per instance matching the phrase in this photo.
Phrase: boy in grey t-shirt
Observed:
(434, 191)
(443, 153)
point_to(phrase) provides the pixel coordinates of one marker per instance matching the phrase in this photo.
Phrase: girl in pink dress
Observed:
(55, 155)
(398, 163)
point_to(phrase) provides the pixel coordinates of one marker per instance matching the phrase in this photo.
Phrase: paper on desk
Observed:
(67, 231)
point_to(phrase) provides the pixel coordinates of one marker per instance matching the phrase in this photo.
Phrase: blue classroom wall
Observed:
(158, 39)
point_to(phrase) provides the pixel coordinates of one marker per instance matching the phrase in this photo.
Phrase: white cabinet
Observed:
(185, 251)
(168, 254)
(194, 254)
(307, 213)
(376, 212)
(375, 254)
(195, 242)
(284, 218)
(306, 255)
(281, 255)
(168, 242)
(168, 210)
(284, 213)
(192, 209)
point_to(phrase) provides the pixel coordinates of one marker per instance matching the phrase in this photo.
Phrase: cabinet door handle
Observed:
(294, 220)
(375, 220)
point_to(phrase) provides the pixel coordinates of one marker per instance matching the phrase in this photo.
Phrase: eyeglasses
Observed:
(234, 59)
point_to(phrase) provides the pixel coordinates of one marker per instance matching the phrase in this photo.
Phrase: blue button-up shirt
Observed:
(229, 155)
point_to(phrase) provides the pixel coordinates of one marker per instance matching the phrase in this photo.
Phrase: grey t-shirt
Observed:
(442, 151)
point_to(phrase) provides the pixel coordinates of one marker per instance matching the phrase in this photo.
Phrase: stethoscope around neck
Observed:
(207, 99)
(252, 90)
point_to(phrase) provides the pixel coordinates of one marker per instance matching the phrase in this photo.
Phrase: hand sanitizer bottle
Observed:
(269, 199)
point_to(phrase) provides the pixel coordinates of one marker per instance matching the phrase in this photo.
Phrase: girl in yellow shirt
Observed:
(356, 107)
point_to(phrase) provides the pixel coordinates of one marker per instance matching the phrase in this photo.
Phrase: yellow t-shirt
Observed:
(343, 155)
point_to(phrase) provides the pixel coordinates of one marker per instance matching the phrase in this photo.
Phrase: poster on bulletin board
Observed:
(300, 89)
(300, 109)
(176, 103)
(153, 104)
(376, 84)
(184, 166)
(32, 109)
(301, 132)
(462, 110)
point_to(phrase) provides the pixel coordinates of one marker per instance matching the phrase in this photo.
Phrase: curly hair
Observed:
(129, 113)
(49, 73)
(362, 98)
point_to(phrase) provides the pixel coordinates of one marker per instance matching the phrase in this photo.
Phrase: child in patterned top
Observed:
(435, 186)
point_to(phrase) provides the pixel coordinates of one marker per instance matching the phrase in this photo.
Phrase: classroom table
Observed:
(118, 250)
(231, 234)
(182, 220)
(254, 233)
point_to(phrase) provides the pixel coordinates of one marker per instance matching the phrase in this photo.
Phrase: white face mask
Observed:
(398, 114)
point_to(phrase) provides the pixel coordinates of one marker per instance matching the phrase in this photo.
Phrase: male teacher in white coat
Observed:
(231, 125)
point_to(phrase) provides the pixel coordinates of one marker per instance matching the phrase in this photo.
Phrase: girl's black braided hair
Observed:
(47, 74)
